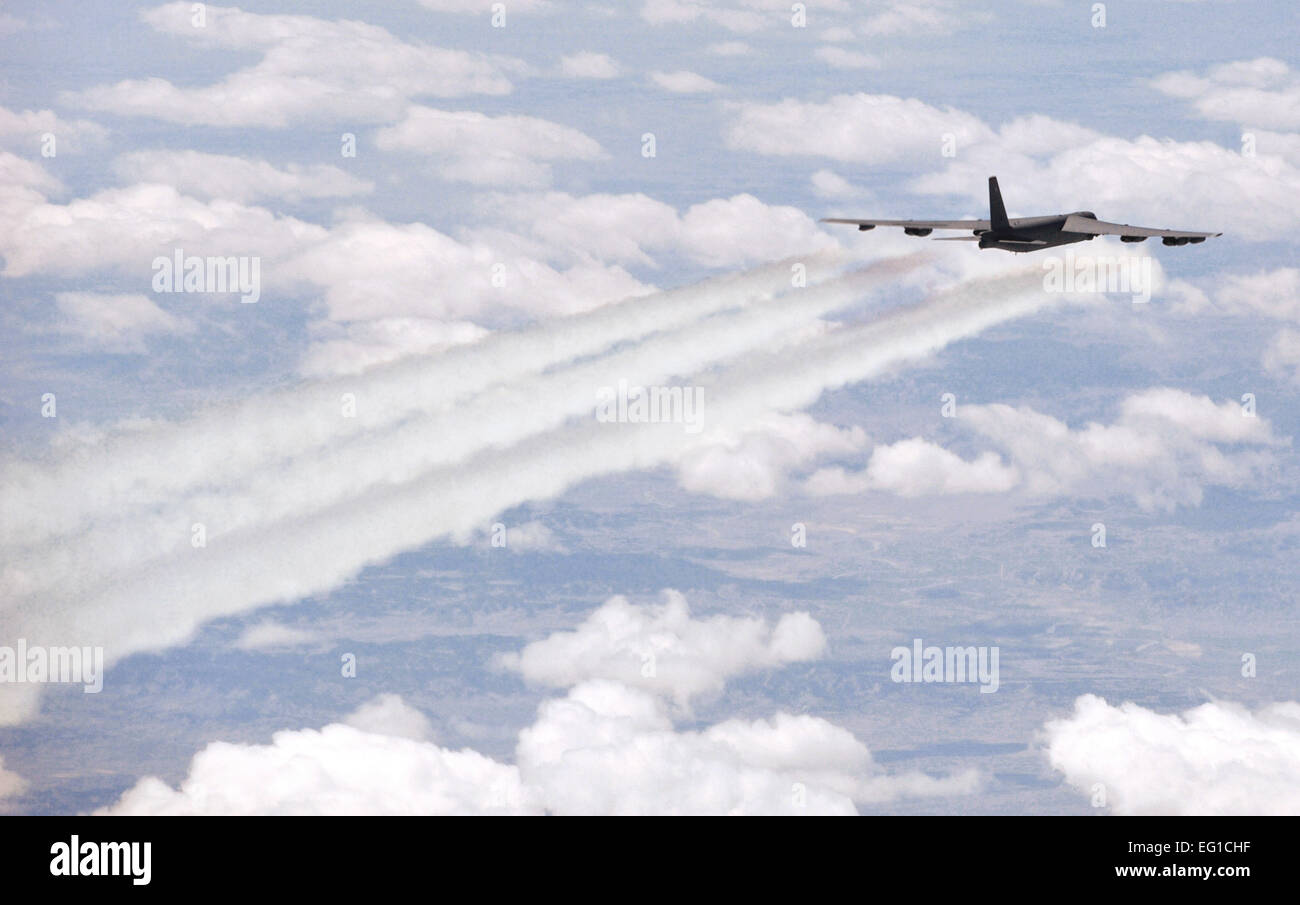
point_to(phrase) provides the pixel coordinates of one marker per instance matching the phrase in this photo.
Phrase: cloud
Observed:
(608, 746)
(114, 322)
(1262, 92)
(27, 129)
(236, 178)
(337, 770)
(1165, 447)
(589, 65)
(388, 289)
(532, 535)
(618, 229)
(910, 16)
(22, 182)
(853, 128)
(684, 82)
(1282, 357)
(1215, 759)
(752, 463)
(722, 232)
(125, 228)
(311, 69)
(1272, 293)
(917, 467)
(528, 537)
(664, 650)
(831, 185)
(269, 635)
(1278, 144)
(493, 150)
(636, 229)
(368, 269)
(388, 714)
(1037, 135)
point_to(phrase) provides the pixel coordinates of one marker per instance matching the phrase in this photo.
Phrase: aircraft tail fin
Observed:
(997, 210)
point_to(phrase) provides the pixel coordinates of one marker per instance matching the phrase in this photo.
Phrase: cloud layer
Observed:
(609, 746)
(310, 68)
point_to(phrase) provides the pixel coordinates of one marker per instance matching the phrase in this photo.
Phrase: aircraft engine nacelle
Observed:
(1132, 238)
(1175, 240)
(917, 230)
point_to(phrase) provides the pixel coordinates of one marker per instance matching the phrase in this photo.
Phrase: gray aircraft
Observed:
(1031, 233)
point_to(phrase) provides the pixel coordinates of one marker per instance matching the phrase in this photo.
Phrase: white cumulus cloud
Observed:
(1216, 759)
(609, 746)
(589, 65)
(1262, 92)
(663, 649)
(26, 131)
(472, 147)
(310, 69)
(1164, 448)
(684, 82)
(239, 179)
(114, 322)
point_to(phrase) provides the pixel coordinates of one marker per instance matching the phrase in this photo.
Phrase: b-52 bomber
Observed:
(1024, 234)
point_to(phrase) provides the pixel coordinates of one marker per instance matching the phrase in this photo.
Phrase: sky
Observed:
(361, 513)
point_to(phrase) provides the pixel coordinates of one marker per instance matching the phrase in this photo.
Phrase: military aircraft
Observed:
(1031, 233)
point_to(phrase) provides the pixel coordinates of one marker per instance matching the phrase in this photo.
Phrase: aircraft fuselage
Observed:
(1024, 234)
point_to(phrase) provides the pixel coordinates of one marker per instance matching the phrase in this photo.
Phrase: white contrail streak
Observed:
(162, 602)
(500, 417)
(150, 464)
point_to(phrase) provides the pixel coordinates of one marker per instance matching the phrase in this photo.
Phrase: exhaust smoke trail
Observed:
(312, 550)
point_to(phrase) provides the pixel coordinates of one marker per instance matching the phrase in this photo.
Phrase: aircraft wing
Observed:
(1076, 224)
(915, 224)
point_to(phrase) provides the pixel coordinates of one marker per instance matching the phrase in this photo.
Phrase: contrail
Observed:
(500, 416)
(237, 438)
(165, 601)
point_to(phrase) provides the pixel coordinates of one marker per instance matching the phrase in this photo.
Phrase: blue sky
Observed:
(437, 313)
